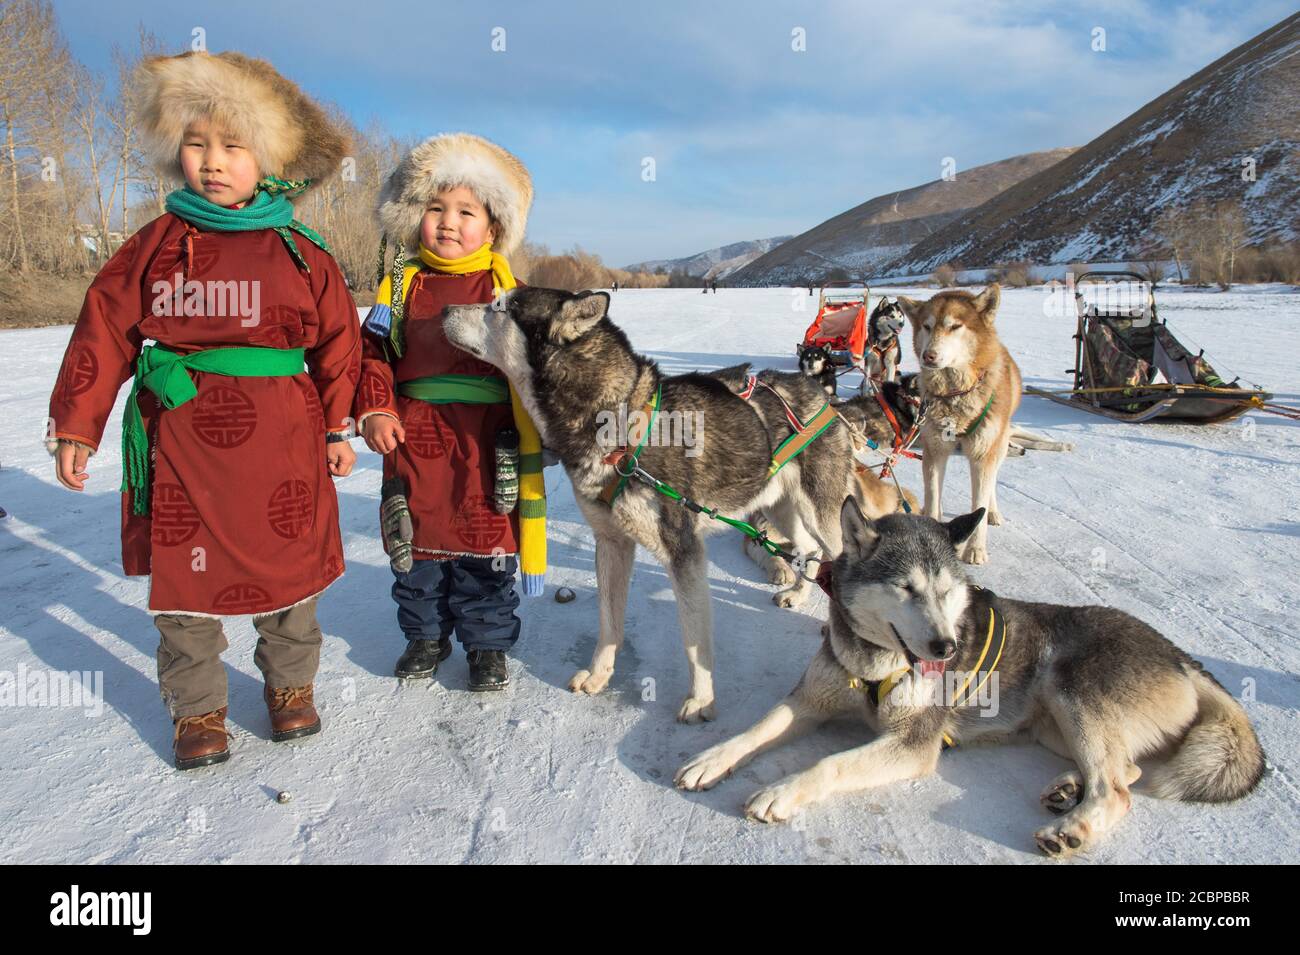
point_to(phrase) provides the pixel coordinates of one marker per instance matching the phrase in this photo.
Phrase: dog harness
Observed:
(990, 655)
(804, 433)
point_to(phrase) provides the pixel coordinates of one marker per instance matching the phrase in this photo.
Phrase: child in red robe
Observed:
(239, 416)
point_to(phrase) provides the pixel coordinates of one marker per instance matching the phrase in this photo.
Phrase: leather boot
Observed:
(487, 670)
(201, 740)
(292, 712)
(421, 658)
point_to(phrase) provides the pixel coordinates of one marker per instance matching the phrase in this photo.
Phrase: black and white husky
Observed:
(884, 349)
(815, 362)
(577, 376)
(1093, 684)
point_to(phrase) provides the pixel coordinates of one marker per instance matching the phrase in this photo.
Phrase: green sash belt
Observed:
(457, 389)
(167, 374)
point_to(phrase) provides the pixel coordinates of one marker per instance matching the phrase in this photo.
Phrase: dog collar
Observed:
(958, 394)
(990, 656)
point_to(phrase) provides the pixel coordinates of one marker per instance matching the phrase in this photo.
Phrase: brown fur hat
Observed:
(289, 135)
(498, 178)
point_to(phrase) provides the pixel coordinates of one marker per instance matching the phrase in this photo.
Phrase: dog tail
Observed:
(1219, 759)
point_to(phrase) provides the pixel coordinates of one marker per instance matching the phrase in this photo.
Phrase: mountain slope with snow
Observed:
(1188, 144)
(880, 229)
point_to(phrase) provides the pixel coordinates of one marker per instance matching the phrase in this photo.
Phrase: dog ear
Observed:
(961, 528)
(987, 301)
(911, 308)
(578, 315)
(860, 534)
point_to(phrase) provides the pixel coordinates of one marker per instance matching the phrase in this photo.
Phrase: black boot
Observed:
(421, 659)
(487, 670)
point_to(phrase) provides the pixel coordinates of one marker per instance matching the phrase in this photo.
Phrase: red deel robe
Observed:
(244, 517)
(448, 461)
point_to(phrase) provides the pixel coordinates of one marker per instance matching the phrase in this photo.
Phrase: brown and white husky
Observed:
(971, 388)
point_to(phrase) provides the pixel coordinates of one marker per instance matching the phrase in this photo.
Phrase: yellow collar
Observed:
(878, 691)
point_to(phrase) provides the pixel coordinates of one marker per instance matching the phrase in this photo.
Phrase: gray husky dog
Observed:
(576, 374)
(1093, 684)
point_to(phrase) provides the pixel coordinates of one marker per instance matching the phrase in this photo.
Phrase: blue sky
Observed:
(749, 137)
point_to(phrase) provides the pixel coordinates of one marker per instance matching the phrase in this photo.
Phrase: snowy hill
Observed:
(1187, 144)
(1190, 529)
(883, 228)
(716, 263)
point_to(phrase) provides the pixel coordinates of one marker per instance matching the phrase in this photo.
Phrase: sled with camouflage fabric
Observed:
(1129, 366)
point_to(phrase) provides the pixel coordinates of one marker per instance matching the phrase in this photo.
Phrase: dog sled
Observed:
(1128, 365)
(840, 326)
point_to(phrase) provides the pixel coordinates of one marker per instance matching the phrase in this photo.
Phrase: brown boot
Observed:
(292, 712)
(201, 740)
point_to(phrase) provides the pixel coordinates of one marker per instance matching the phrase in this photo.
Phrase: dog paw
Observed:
(584, 681)
(994, 518)
(1063, 838)
(1062, 793)
(696, 710)
(773, 804)
(975, 554)
(704, 771)
(792, 597)
(780, 574)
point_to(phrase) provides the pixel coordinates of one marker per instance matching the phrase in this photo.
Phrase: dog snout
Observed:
(929, 357)
(943, 649)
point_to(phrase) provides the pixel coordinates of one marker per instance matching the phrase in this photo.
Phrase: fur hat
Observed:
(498, 178)
(289, 135)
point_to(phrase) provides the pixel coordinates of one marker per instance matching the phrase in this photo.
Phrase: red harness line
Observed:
(902, 445)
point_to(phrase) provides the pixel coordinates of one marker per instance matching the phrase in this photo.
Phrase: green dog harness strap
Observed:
(614, 487)
(976, 423)
(166, 373)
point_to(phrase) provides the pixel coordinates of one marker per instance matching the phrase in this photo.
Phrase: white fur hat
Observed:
(288, 133)
(498, 178)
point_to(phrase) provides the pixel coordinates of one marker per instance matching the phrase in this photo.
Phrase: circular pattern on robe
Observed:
(290, 510)
(427, 435)
(477, 525)
(79, 372)
(315, 413)
(224, 417)
(119, 263)
(175, 519)
(375, 393)
(278, 327)
(240, 598)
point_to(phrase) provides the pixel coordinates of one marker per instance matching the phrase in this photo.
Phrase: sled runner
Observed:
(1121, 350)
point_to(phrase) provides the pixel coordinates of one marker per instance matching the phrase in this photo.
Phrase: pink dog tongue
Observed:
(932, 667)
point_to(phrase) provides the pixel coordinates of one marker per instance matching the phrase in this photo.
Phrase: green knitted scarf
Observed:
(269, 208)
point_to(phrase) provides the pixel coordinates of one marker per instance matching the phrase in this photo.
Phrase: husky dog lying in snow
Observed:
(574, 369)
(1093, 684)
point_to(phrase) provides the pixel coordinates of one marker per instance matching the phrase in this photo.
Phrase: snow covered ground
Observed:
(1196, 530)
